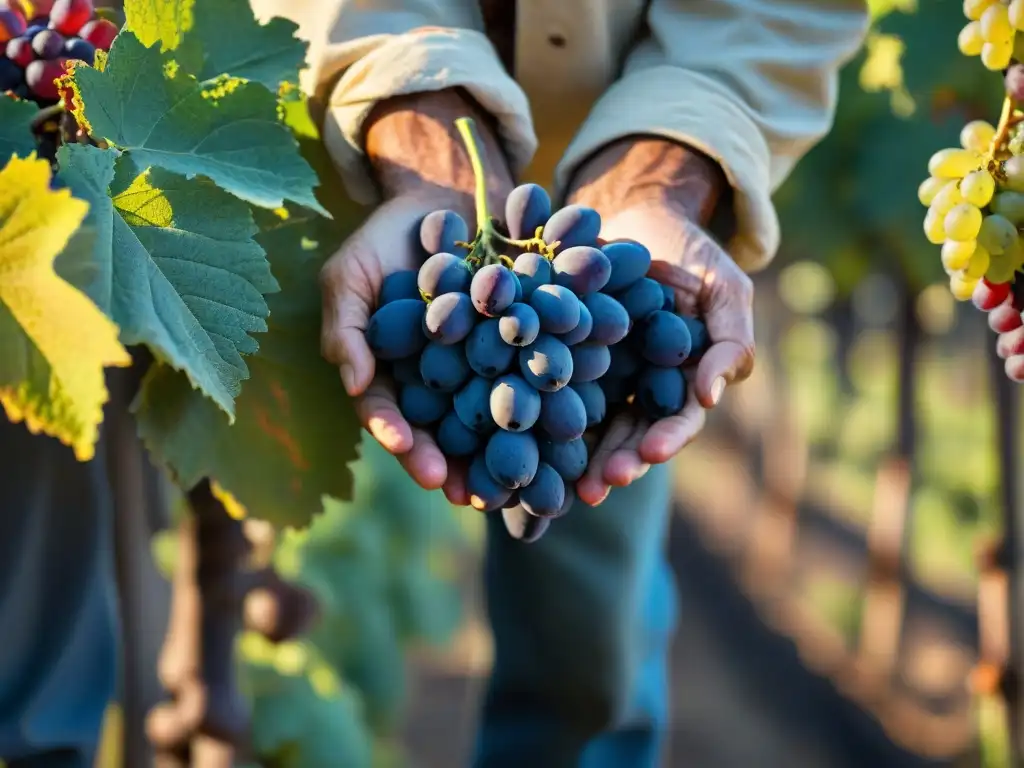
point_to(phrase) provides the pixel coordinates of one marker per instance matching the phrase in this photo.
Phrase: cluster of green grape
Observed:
(991, 31)
(975, 205)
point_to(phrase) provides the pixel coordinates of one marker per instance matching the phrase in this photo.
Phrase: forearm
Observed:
(414, 148)
(640, 170)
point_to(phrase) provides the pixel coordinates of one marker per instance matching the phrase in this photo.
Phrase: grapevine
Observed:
(975, 192)
(517, 346)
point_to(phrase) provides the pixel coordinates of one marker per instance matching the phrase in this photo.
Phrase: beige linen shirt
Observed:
(752, 83)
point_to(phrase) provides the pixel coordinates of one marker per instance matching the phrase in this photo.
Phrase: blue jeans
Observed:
(582, 621)
(58, 602)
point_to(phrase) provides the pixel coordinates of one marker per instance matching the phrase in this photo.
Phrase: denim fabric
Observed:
(582, 620)
(58, 601)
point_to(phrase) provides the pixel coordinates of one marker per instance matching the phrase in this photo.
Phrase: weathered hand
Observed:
(707, 284)
(351, 281)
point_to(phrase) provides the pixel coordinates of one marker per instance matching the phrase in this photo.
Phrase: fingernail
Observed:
(717, 389)
(348, 377)
(639, 472)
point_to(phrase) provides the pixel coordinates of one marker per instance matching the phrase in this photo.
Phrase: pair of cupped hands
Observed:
(707, 284)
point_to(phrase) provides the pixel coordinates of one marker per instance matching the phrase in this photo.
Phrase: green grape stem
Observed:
(490, 246)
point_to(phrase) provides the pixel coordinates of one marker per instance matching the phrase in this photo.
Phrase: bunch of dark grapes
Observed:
(37, 43)
(515, 362)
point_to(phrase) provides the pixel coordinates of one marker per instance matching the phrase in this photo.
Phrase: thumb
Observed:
(730, 322)
(345, 317)
(723, 363)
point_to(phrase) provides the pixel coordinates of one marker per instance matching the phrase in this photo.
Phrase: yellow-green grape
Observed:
(955, 163)
(1013, 171)
(1001, 268)
(978, 265)
(956, 256)
(961, 286)
(947, 198)
(978, 187)
(963, 222)
(977, 135)
(1016, 14)
(929, 189)
(997, 55)
(973, 9)
(969, 41)
(997, 233)
(1011, 205)
(995, 25)
(935, 227)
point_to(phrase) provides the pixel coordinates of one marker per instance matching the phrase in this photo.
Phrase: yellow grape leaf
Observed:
(54, 342)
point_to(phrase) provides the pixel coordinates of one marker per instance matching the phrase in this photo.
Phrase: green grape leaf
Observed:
(269, 53)
(158, 21)
(54, 342)
(16, 127)
(178, 267)
(164, 118)
(263, 53)
(296, 428)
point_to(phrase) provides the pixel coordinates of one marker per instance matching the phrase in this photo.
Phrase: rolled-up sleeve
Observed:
(362, 53)
(751, 83)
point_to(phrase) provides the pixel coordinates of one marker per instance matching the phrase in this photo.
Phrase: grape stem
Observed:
(1007, 120)
(490, 245)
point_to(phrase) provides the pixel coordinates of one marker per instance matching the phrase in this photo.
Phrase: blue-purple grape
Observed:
(519, 326)
(642, 298)
(546, 364)
(493, 290)
(449, 318)
(699, 338)
(629, 262)
(473, 405)
(399, 285)
(441, 230)
(666, 339)
(611, 321)
(590, 362)
(515, 405)
(80, 50)
(669, 305)
(661, 392)
(407, 370)
(571, 226)
(592, 397)
(624, 360)
(569, 459)
(527, 208)
(533, 270)
(11, 75)
(444, 273)
(563, 416)
(523, 526)
(581, 332)
(582, 269)
(455, 439)
(443, 367)
(512, 458)
(485, 493)
(487, 354)
(396, 329)
(545, 496)
(422, 406)
(557, 307)
(48, 44)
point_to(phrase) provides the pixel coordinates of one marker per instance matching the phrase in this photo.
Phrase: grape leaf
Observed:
(158, 21)
(164, 118)
(54, 342)
(16, 127)
(178, 268)
(295, 429)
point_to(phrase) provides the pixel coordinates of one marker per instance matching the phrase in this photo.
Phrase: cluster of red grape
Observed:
(40, 37)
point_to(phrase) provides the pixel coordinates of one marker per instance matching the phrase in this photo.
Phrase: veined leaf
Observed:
(177, 267)
(54, 342)
(269, 53)
(163, 117)
(16, 128)
(296, 429)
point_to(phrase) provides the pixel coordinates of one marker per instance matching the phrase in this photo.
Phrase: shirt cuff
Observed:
(429, 59)
(692, 109)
